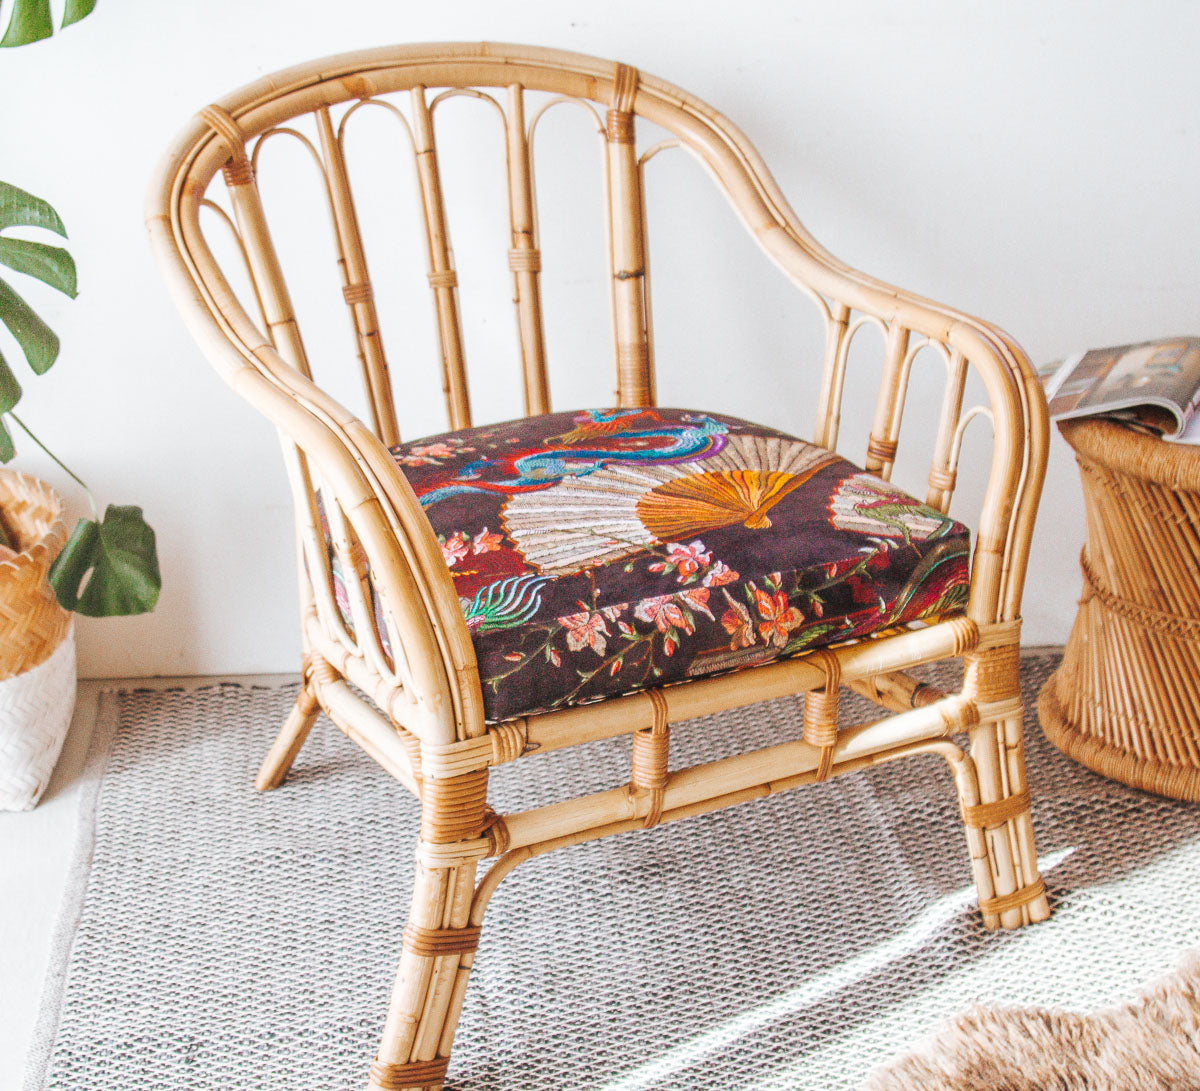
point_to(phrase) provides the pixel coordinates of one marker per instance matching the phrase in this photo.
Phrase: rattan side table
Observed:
(1125, 701)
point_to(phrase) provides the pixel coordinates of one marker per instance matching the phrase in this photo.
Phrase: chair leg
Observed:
(290, 739)
(440, 937)
(999, 828)
(439, 946)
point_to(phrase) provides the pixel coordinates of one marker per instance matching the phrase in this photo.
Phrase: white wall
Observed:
(1034, 163)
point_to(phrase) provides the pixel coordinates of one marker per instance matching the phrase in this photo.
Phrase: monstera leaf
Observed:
(30, 20)
(50, 264)
(110, 567)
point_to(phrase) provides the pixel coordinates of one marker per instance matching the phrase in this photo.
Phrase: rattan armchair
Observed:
(670, 521)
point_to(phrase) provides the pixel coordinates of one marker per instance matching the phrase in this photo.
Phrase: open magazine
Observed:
(1154, 385)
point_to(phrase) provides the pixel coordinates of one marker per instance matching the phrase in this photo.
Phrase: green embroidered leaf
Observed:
(108, 568)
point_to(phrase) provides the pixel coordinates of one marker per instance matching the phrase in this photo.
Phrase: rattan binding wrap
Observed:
(1126, 700)
(402, 1077)
(32, 624)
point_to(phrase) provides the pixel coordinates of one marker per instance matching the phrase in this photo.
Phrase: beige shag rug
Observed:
(1151, 1044)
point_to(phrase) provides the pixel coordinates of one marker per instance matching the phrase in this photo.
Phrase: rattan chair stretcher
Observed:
(412, 655)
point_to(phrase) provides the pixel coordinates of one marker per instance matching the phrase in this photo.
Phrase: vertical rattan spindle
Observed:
(634, 386)
(442, 277)
(356, 286)
(524, 257)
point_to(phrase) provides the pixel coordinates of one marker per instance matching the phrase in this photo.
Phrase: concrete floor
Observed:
(36, 848)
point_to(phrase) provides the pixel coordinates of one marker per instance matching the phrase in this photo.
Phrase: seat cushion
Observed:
(600, 552)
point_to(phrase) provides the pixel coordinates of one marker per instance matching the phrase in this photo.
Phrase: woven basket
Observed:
(1126, 700)
(37, 647)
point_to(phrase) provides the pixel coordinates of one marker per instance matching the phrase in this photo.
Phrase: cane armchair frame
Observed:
(417, 708)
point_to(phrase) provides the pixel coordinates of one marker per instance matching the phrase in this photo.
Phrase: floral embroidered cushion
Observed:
(600, 552)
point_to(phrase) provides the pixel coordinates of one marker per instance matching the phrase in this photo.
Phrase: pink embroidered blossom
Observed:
(689, 559)
(483, 542)
(585, 630)
(455, 548)
(434, 450)
(719, 575)
(665, 613)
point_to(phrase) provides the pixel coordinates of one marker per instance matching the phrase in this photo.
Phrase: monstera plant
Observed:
(109, 565)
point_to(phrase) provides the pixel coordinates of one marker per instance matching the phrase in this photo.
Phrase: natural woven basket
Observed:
(32, 624)
(1126, 700)
(37, 644)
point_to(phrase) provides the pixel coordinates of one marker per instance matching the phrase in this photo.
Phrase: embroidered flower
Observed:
(483, 542)
(736, 622)
(719, 575)
(778, 618)
(435, 450)
(697, 599)
(689, 559)
(665, 613)
(429, 454)
(585, 630)
(455, 548)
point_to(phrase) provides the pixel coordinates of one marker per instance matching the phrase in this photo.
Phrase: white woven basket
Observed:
(37, 643)
(35, 713)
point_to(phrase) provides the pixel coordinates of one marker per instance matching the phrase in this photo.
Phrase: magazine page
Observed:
(1160, 379)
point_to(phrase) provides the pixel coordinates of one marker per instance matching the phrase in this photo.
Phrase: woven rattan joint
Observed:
(984, 816)
(821, 712)
(436, 942)
(412, 1074)
(1026, 895)
(650, 759)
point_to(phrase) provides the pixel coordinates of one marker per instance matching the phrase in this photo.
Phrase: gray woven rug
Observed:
(218, 939)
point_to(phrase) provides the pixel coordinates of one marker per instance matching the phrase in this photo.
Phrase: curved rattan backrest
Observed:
(370, 504)
(521, 84)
